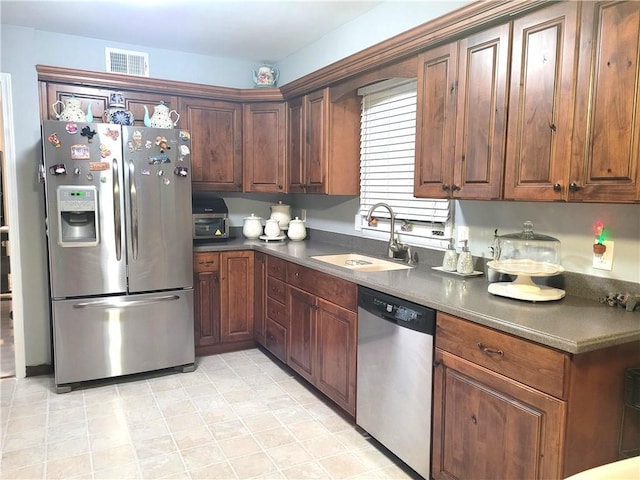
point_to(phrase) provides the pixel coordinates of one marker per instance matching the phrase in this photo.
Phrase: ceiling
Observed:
(255, 31)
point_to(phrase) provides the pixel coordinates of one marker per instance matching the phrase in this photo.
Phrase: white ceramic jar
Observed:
(297, 230)
(252, 227)
(272, 228)
(282, 213)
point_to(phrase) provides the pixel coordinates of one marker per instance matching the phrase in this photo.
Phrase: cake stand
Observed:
(523, 288)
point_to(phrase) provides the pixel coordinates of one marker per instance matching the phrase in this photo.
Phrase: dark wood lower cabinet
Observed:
(489, 426)
(206, 308)
(223, 314)
(302, 308)
(322, 340)
(505, 407)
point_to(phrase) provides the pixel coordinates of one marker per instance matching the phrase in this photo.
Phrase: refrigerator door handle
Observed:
(117, 217)
(126, 303)
(133, 195)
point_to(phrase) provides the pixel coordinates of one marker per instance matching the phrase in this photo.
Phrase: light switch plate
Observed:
(604, 261)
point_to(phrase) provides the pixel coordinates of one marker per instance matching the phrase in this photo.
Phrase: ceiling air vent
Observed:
(127, 61)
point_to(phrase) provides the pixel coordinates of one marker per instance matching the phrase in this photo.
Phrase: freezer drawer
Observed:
(111, 336)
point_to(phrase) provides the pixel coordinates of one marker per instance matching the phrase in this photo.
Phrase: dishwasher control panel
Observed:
(402, 312)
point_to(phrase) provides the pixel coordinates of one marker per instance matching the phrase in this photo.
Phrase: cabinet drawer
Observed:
(277, 290)
(276, 339)
(277, 268)
(539, 367)
(340, 292)
(206, 261)
(277, 312)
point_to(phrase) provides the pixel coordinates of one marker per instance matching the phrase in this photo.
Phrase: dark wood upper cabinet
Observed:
(541, 103)
(605, 164)
(324, 143)
(264, 134)
(97, 100)
(461, 117)
(216, 143)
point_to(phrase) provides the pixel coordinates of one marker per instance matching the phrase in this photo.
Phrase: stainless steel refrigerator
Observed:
(118, 203)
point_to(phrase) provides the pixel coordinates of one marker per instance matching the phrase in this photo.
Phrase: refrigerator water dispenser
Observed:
(78, 216)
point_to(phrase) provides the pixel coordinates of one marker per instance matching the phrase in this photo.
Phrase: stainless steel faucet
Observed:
(396, 249)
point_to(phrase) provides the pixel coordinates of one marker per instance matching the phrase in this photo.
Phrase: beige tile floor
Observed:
(239, 415)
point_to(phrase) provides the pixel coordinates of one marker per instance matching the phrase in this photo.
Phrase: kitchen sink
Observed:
(361, 263)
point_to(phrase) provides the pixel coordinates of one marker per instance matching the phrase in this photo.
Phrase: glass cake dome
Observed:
(527, 254)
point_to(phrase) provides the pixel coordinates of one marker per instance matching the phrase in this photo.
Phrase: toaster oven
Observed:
(210, 220)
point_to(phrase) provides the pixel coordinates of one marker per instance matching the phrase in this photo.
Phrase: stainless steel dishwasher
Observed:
(394, 375)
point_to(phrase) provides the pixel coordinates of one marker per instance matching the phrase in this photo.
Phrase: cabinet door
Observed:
(216, 143)
(97, 97)
(295, 131)
(541, 104)
(436, 121)
(236, 279)
(264, 147)
(315, 154)
(481, 114)
(336, 341)
(260, 297)
(605, 165)
(206, 286)
(302, 307)
(488, 426)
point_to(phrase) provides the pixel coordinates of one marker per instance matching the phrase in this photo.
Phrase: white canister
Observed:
(282, 213)
(297, 230)
(252, 227)
(271, 228)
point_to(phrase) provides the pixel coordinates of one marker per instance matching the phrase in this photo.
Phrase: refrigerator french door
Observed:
(118, 202)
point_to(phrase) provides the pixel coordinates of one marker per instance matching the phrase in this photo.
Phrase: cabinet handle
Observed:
(553, 127)
(557, 187)
(474, 419)
(574, 187)
(445, 187)
(455, 188)
(490, 351)
(437, 363)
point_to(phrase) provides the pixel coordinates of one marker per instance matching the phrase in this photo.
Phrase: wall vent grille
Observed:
(127, 62)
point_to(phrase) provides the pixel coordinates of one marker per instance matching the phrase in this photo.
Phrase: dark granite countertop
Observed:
(572, 324)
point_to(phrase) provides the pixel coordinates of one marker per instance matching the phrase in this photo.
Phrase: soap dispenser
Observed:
(450, 260)
(465, 260)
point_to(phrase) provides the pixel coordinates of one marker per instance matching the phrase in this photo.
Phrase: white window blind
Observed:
(387, 155)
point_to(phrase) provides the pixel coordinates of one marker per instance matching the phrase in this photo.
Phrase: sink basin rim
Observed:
(361, 263)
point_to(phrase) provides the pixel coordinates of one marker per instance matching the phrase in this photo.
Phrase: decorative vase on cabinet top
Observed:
(297, 231)
(266, 76)
(117, 113)
(161, 117)
(71, 111)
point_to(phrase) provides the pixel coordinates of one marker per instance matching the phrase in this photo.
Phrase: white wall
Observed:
(380, 23)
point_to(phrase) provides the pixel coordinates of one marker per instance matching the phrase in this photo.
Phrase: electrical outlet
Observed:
(303, 214)
(358, 223)
(463, 233)
(604, 261)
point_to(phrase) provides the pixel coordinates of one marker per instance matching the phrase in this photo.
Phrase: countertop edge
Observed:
(374, 281)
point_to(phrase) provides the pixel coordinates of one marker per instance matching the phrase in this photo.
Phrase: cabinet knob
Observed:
(455, 188)
(574, 187)
(557, 187)
(490, 351)
(445, 187)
